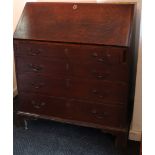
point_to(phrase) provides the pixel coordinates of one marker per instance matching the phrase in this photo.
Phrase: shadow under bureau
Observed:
(74, 64)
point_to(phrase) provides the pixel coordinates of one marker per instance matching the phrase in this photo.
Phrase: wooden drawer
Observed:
(39, 49)
(41, 66)
(72, 52)
(97, 54)
(97, 71)
(56, 68)
(98, 91)
(42, 84)
(97, 113)
(73, 110)
(42, 105)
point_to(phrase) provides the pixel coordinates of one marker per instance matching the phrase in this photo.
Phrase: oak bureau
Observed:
(75, 64)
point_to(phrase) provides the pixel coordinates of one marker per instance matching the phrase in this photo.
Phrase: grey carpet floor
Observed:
(51, 138)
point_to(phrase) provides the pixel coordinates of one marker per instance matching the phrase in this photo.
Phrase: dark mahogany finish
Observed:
(74, 64)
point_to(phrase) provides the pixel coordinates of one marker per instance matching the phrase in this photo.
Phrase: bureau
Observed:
(75, 64)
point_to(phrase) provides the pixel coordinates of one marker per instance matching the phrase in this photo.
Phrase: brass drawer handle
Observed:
(37, 105)
(101, 59)
(99, 94)
(100, 75)
(94, 54)
(101, 116)
(94, 91)
(98, 115)
(94, 111)
(35, 68)
(34, 53)
(37, 86)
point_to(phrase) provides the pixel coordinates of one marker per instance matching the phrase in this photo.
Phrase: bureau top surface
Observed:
(104, 24)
